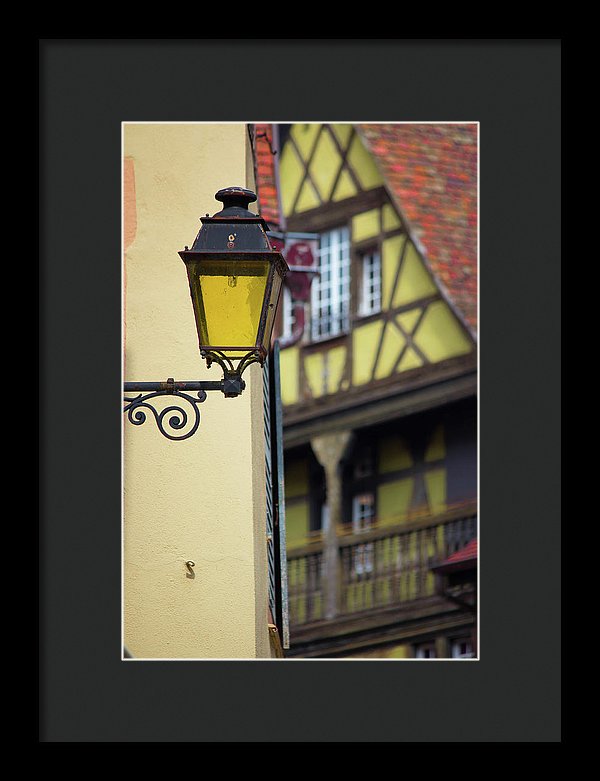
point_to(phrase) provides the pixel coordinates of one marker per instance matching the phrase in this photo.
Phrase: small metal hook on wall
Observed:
(190, 565)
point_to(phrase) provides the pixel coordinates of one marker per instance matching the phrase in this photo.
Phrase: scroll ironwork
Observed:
(173, 418)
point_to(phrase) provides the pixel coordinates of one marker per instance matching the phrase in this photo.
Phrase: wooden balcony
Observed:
(377, 569)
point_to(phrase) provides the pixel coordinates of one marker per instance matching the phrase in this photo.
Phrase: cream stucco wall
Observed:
(201, 499)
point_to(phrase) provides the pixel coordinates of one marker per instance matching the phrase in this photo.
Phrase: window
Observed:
(289, 321)
(370, 286)
(462, 649)
(425, 651)
(330, 294)
(363, 514)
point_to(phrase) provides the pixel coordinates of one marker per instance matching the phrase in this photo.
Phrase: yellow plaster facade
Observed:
(202, 499)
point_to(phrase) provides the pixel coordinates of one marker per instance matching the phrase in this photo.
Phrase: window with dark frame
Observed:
(363, 511)
(425, 651)
(287, 310)
(330, 292)
(331, 297)
(363, 516)
(462, 648)
(369, 301)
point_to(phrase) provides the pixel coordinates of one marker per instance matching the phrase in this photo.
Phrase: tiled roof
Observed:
(431, 173)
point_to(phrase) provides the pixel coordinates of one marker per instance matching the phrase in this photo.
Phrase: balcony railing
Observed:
(377, 568)
(305, 587)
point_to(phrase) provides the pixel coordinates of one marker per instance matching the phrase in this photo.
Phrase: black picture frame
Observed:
(87, 88)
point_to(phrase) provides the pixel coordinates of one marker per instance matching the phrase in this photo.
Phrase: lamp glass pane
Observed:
(228, 299)
(272, 310)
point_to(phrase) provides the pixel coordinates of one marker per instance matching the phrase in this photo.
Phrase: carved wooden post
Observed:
(329, 450)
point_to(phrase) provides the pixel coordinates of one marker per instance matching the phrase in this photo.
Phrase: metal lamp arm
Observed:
(172, 420)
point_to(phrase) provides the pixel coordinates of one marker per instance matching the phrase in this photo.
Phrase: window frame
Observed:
(354, 298)
(422, 647)
(363, 558)
(288, 320)
(361, 255)
(340, 305)
(454, 641)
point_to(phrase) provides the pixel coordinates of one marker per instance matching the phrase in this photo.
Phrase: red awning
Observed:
(465, 558)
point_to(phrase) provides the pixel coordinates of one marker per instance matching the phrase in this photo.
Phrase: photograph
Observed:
(300, 427)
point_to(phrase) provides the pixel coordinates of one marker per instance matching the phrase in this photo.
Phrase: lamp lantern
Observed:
(235, 278)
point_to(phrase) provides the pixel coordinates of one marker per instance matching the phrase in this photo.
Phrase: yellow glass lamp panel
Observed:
(391, 221)
(291, 176)
(436, 449)
(393, 342)
(336, 363)
(394, 454)
(392, 250)
(314, 370)
(325, 165)
(271, 311)
(440, 335)
(393, 501)
(365, 341)
(230, 300)
(410, 360)
(296, 479)
(363, 165)
(288, 362)
(342, 133)
(365, 225)
(296, 524)
(304, 136)
(308, 199)
(345, 187)
(435, 483)
(415, 281)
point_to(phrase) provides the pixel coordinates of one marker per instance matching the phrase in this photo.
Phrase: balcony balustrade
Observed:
(378, 568)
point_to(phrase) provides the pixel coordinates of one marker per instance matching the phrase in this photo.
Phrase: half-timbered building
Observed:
(378, 365)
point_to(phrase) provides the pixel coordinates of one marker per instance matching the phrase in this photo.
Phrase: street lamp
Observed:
(235, 279)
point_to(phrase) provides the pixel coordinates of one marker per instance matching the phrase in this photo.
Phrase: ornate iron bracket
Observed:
(176, 417)
(232, 383)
